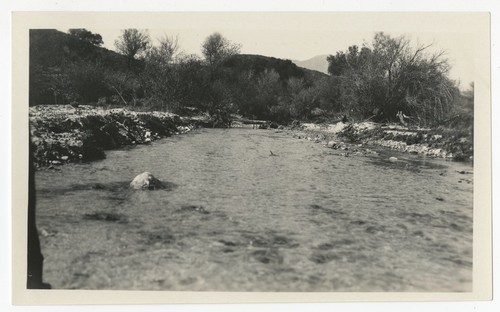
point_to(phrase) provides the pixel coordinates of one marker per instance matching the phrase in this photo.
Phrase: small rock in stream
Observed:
(145, 180)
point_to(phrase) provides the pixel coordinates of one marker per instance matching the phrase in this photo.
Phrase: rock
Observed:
(44, 233)
(56, 162)
(331, 144)
(145, 180)
(393, 159)
(64, 158)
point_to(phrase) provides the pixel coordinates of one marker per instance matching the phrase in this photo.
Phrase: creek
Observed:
(233, 217)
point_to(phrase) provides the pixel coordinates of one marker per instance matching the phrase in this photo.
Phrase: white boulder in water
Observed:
(145, 180)
(331, 144)
(393, 159)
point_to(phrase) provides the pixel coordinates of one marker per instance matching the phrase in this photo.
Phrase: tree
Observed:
(328, 90)
(132, 42)
(85, 35)
(269, 91)
(337, 64)
(415, 82)
(217, 48)
(165, 53)
(172, 79)
(391, 76)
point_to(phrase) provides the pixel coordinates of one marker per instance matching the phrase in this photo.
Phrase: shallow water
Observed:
(232, 217)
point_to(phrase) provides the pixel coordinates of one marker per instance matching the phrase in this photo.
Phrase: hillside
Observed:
(318, 63)
(259, 63)
(285, 68)
(57, 57)
(50, 47)
(65, 69)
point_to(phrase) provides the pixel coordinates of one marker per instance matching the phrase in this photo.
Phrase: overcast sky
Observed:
(302, 36)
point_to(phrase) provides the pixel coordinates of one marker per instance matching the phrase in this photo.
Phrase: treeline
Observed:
(375, 81)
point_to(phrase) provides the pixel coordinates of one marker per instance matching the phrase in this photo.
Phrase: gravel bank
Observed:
(63, 133)
(441, 143)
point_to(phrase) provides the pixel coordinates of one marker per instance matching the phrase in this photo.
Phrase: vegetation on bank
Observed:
(161, 77)
(387, 80)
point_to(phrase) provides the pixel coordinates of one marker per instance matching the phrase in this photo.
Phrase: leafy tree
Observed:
(415, 82)
(245, 91)
(328, 90)
(391, 76)
(131, 43)
(270, 90)
(337, 64)
(217, 48)
(88, 36)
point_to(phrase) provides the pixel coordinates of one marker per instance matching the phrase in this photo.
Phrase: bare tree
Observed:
(166, 52)
(169, 47)
(132, 42)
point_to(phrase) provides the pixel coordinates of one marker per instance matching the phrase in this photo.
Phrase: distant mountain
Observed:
(318, 63)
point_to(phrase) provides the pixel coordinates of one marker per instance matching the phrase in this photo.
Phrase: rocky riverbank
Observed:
(63, 133)
(440, 143)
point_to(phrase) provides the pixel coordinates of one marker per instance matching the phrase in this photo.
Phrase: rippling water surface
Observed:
(232, 217)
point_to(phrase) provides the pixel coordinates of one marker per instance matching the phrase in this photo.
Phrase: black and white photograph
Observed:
(254, 152)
